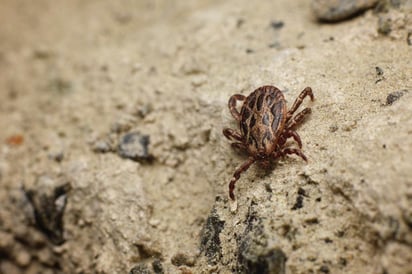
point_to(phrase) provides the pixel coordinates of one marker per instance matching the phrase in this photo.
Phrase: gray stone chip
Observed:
(338, 10)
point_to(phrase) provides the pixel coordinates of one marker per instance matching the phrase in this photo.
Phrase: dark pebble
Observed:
(48, 204)
(302, 192)
(394, 96)
(379, 71)
(210, 240)
(134, 146)
(157, 267)
(338, 10)
(141, 269)
(277, 24)
(299, 202)
(324, 269)
(409, 38)
(146, 268)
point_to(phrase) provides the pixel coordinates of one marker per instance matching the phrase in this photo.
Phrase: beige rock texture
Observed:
(77, 75)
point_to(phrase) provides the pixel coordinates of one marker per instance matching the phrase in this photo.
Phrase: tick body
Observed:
(265, 124)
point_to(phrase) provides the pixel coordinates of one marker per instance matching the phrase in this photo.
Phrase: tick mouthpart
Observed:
(265, 163)
(261, 155)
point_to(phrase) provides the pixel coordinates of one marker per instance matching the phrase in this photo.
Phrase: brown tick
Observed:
(265, 125)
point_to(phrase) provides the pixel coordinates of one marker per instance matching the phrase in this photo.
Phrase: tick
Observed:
(265, 125)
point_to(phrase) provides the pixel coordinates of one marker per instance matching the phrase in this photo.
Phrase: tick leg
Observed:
(287, 134)
(238, 146)
(294, 151)
(232, 105)
(298, 118)
(236, 176)
(232, 134)
(306, 92)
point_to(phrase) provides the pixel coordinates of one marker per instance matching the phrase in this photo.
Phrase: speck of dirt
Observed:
(240, 22)
(340, 233)
(299, 203)
(328, 240)
(394, 96)
(333, 128)
(157, 267)
(268, 188)
(299, 199)
(379, 71)
(15, 140)
(210, 244)
(49, 203)
(140, 269)
(324, 269)
(302, 192)
(134, 146)
(277, 24)
(384, 25)
(274, 45)
(312, 221)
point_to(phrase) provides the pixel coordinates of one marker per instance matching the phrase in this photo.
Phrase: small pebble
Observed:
(141, 268)
(394, 96)
(277, 24)
(299, 203)
(384, 25)
(379, 71)
(157, 266)
(48, 200)
(338, 10)
(134, 146)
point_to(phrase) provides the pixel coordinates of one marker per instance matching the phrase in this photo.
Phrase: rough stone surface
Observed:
(254, 254)
(338, 10)
(73, 72)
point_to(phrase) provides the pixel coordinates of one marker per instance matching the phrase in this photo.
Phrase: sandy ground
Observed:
(76, 76)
